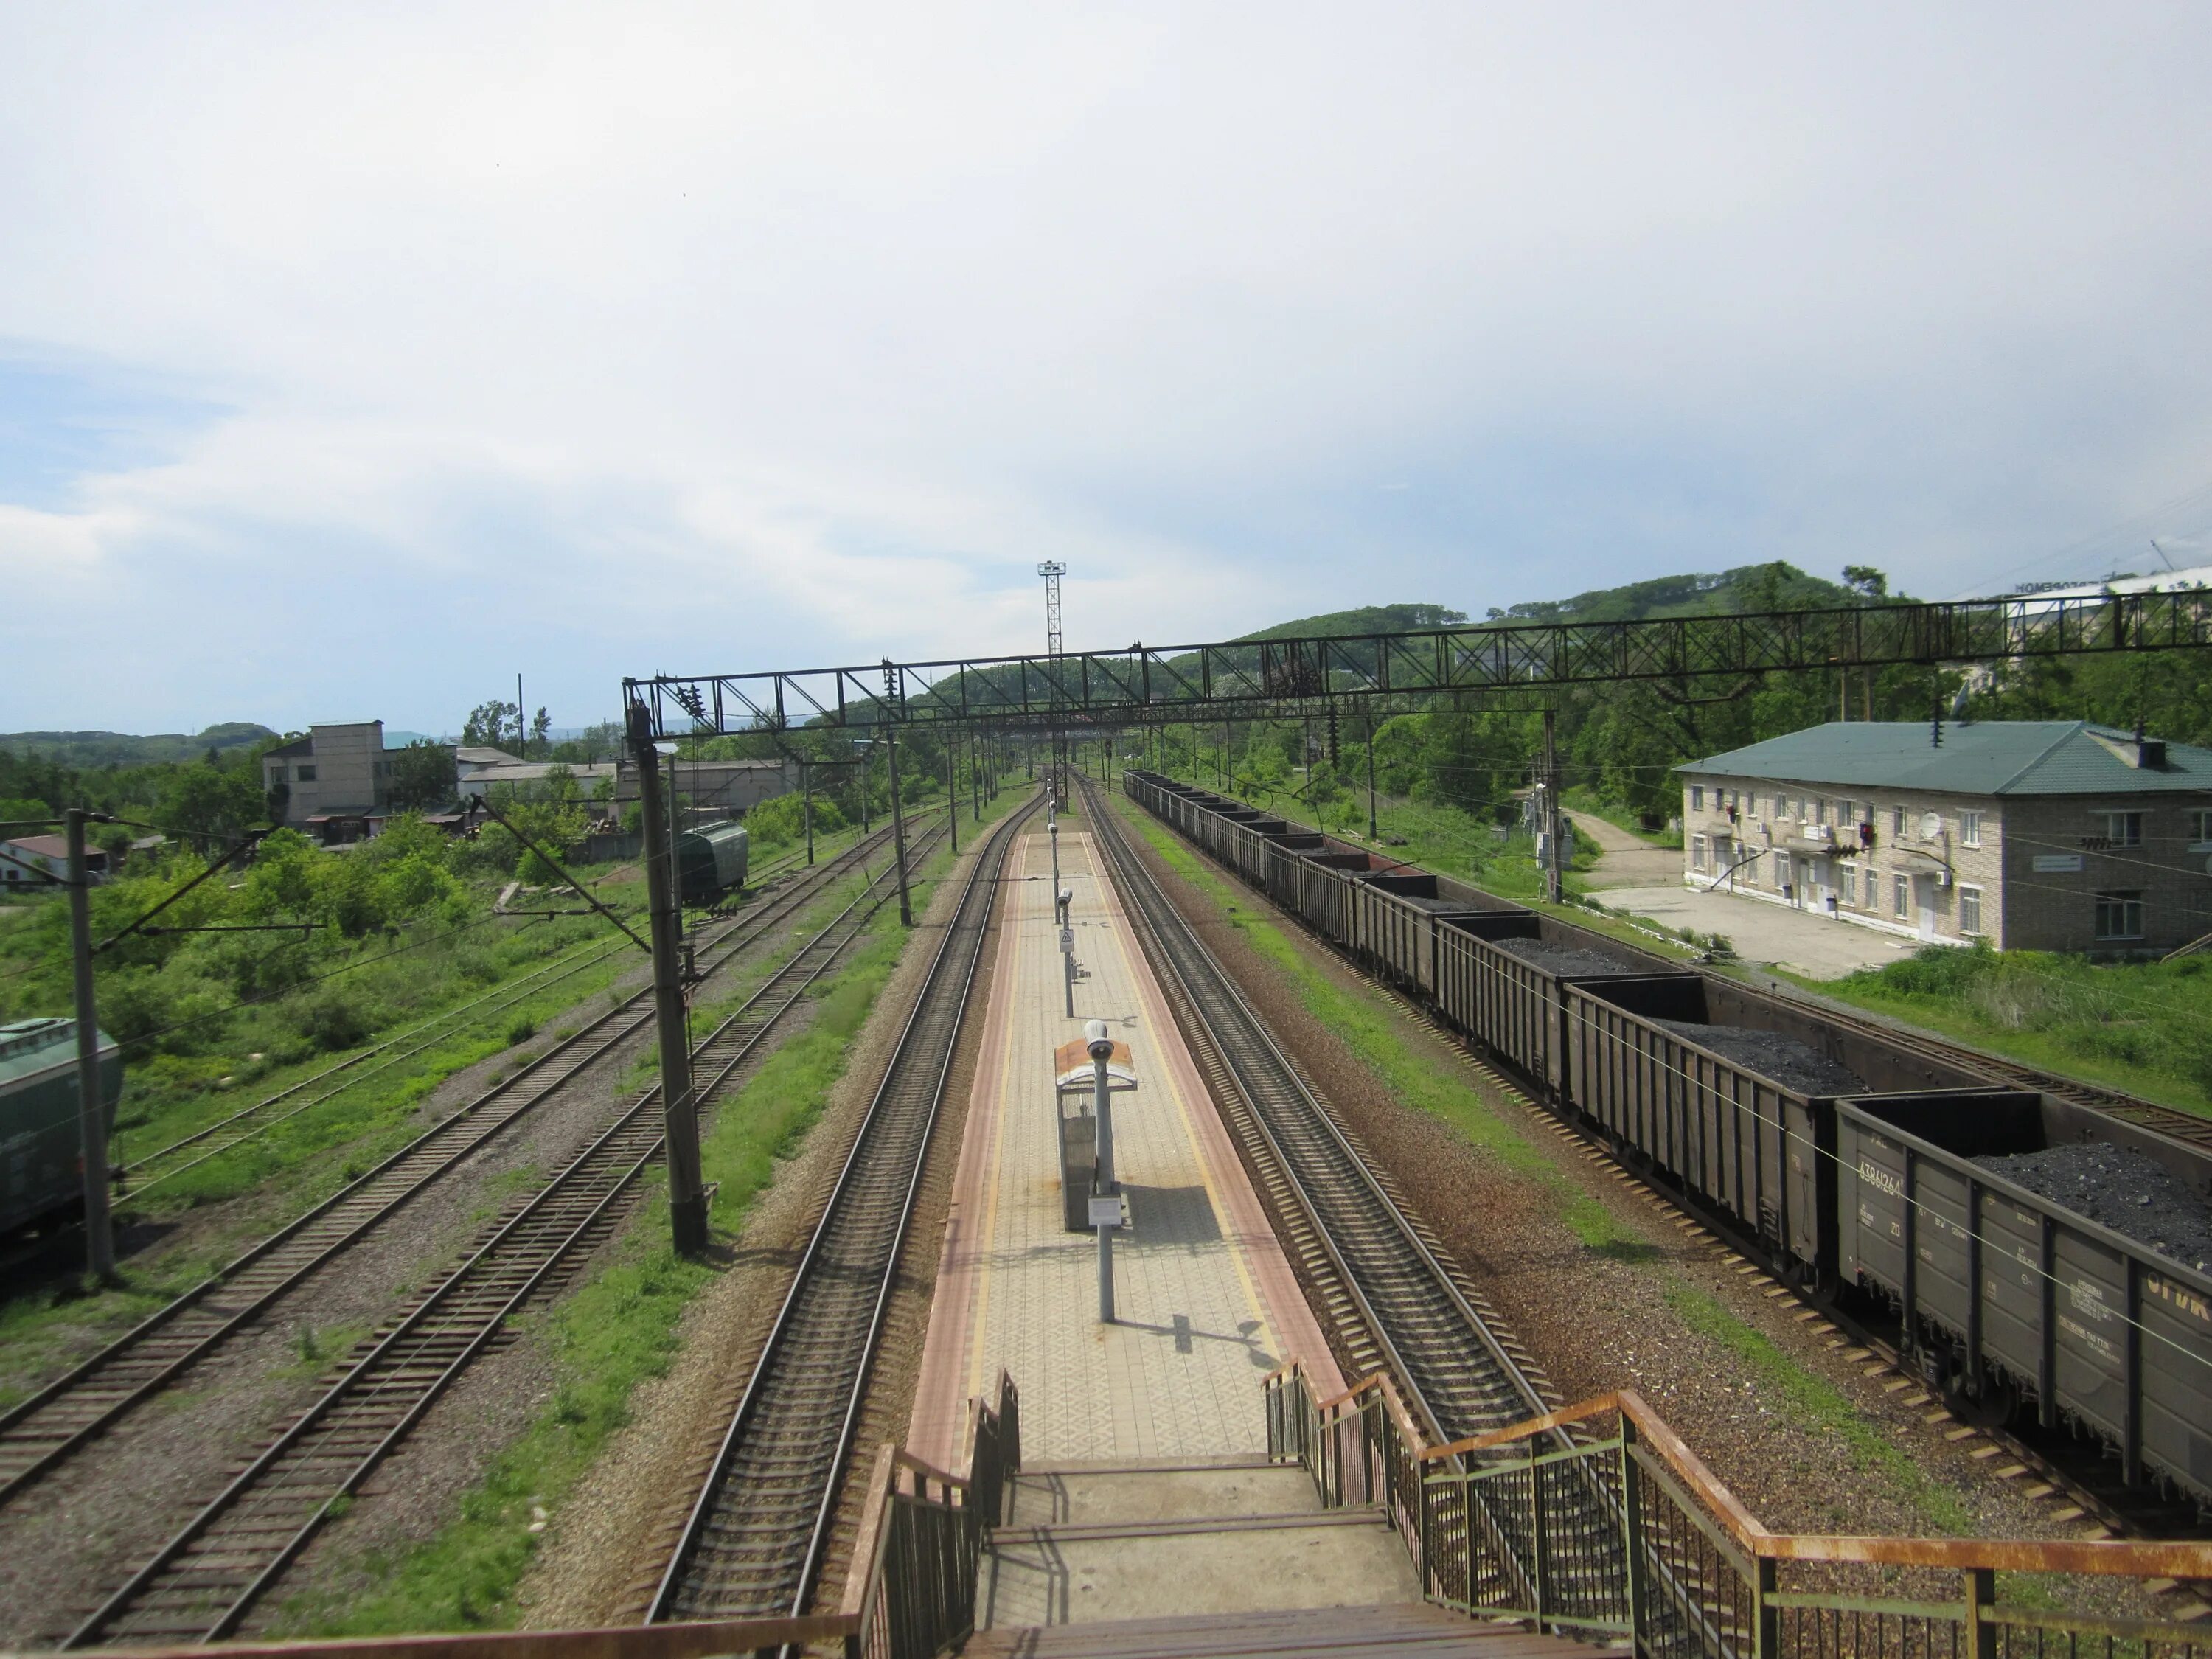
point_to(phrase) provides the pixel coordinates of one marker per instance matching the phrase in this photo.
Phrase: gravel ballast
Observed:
(2126, 1190)
(1781, 1059)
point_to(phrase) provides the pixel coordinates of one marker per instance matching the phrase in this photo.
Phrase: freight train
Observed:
(2041, 1257)
(41, 1171)
(710, 861)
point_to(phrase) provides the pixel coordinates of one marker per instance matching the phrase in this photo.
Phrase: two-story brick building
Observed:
(2033, 834)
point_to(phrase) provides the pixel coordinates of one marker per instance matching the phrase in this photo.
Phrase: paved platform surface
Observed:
(1395, 1630)
(1769, 933)
(1087, 1544)
(1207, 1304)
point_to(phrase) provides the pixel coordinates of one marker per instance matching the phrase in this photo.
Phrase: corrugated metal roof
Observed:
(1983, 757)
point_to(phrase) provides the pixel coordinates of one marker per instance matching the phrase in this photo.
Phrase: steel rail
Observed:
(169, 1162)
(759, 1528)
(40, 1432)
(260, 1523)
(1421, 1315)
(1419, 1312)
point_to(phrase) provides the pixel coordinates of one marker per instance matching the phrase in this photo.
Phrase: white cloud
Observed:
(602, 340)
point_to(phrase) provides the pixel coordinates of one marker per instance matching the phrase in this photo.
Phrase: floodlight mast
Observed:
(1056, 782)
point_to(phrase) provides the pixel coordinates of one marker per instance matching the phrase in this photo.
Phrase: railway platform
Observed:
(1207, 1304)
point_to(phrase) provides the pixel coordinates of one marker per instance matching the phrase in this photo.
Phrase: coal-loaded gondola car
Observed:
(2039, 1252)
(710, 861)
(2046, 1254)
(1730, 1094)
(41, 1170)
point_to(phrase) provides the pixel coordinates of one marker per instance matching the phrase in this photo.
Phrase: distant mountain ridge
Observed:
(1775, 586)
(125, 749)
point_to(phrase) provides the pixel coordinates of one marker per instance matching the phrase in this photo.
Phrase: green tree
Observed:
(210, 803)
(423, 776)
(489, 724)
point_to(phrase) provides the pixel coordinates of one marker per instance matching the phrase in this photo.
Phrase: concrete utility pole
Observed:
(806, 783)
(953, 793)
(91, 1113)
(687, 1196)
(1552, 815)
(1372, 833)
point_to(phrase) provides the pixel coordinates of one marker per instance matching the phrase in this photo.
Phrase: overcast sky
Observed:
(353, 359)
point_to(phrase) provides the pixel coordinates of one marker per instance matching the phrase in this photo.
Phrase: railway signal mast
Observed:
(1056, 783)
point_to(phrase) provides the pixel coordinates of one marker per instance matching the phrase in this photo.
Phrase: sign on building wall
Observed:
(2057, 863)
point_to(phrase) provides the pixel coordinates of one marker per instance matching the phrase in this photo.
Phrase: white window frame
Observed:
(1697, 852)
(1896, 823)
(1900, 894)
(1970, 901)
(1850, 882)
(1970, 827)
(1696, 798)
(2125, 900)
(2199, 837)
(2123, 828)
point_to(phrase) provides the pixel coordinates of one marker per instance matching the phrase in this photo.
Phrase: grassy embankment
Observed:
(2144, 1027)
(301, 1160)
(620, 1326)
(1366, 1022)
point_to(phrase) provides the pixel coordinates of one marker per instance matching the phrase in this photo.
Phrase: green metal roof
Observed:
(1984, 757)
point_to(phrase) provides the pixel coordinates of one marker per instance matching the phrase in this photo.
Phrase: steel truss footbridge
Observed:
(1142, 686)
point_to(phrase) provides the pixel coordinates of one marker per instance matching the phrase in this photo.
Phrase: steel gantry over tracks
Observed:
(1140, 683)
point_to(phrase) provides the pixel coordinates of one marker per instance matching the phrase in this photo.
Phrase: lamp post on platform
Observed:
(1106, 1198)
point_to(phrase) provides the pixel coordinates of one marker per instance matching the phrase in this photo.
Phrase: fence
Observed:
(1598, 1521)
(913, 1585)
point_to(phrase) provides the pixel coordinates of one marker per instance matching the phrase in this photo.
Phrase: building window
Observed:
(1850, 883)
(1697, 852)
(1749, 869)
(2123, 828)
(2119, 916)
(1900, 894)
(2200, 830)
(307, 774)
(1970, 829)
(1970, 909)
(1820, 810)
(1696, 798)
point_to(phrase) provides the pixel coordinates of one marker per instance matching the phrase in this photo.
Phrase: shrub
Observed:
(331, 1020)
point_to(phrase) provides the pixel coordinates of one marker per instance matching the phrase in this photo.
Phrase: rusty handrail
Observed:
(2111, 1556)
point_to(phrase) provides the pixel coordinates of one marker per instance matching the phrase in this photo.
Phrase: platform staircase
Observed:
(1203, 1556)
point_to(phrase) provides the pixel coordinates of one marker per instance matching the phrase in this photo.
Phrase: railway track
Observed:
(758, 1532)
(203, 1581)
(1396, 1303)
(2061, 1471)
(39, 1432)
(1419, 1318)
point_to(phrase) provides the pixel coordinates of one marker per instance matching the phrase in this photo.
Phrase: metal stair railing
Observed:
(1691, 1574)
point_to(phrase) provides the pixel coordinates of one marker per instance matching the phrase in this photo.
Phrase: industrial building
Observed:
(332, 781)
(2028, 834)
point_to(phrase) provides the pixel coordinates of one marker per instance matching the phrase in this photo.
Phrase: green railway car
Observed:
(710, 861)
(40, 1167)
